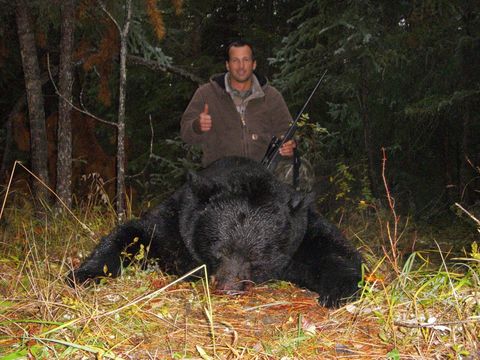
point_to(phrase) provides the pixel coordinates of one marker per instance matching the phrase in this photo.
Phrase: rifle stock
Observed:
(276, 143)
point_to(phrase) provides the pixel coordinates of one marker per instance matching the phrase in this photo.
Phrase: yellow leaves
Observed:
(140, 255)
(362, 205)
(178, 6)
(71, 302)
(156, 18)
(102, 61)
(372, 278)
(475, 254)
(105, 270)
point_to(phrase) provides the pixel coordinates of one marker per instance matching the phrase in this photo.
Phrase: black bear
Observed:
(246, 226)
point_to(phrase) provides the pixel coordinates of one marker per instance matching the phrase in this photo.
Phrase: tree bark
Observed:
(120, 204)
(33, 85)
(6, 161)
(64, 132)
(16, 110)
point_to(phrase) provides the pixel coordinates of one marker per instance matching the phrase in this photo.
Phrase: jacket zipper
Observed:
(244, 128)
(244, 131)
(244, 135)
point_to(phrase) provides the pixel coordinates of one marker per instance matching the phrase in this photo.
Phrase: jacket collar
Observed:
(220, 79)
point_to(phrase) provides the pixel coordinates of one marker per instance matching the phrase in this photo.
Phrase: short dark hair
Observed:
(238, 43)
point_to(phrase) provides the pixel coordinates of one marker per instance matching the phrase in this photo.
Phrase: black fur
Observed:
(246, 226)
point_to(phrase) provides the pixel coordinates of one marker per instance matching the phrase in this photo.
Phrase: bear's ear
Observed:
(299, 201)
(202, 187)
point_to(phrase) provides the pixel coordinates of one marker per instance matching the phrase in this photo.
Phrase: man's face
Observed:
(240, 63)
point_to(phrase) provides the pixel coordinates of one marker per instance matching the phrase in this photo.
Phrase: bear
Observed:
(246, 226)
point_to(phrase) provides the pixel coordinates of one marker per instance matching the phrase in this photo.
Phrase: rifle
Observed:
(276, 143)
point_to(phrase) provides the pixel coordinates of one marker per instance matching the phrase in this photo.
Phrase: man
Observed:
(237, 112)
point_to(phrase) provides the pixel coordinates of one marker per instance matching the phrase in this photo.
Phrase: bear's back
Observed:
(245, 177)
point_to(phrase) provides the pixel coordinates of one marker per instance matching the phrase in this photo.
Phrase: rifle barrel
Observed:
(272, 154)
(310, 97)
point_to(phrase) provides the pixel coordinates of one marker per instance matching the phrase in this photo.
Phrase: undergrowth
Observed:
(413, 303)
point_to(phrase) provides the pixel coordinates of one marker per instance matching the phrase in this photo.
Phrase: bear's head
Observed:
(245, 227)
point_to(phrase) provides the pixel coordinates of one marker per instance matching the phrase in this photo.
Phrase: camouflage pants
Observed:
(284, 171)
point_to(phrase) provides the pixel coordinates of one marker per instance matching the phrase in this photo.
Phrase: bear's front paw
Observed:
(78, 277)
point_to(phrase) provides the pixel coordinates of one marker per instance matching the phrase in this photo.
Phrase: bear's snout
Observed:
(235, 287)
(232, 277)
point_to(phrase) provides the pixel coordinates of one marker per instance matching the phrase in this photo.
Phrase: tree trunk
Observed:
(16, 110)
(64, 132)
(9, 138)
(33, 85)
(120, 205)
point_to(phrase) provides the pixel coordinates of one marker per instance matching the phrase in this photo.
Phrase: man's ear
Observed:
(227, 65)
(202, 187)
(254, 64)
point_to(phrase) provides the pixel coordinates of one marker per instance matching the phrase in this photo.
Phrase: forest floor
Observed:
(420, 299)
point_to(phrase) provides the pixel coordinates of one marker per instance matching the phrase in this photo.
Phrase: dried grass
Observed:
(413, 310)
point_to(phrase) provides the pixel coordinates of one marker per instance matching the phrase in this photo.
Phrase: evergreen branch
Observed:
(153, 65)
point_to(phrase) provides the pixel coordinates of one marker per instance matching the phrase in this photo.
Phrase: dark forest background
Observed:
(403, 76)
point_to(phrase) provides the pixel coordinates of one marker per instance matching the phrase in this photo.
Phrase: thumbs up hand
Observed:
(205, 120)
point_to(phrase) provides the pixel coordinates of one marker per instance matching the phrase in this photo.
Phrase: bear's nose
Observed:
(233, 287)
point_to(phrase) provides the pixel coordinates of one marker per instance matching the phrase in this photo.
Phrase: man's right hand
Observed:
(205, 120)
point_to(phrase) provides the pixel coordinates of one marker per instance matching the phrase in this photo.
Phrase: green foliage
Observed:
(348, 189)
(393, 355)
(401, 76)
(313, 138)
(139, 43)
(161, 174)
(439, 104)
